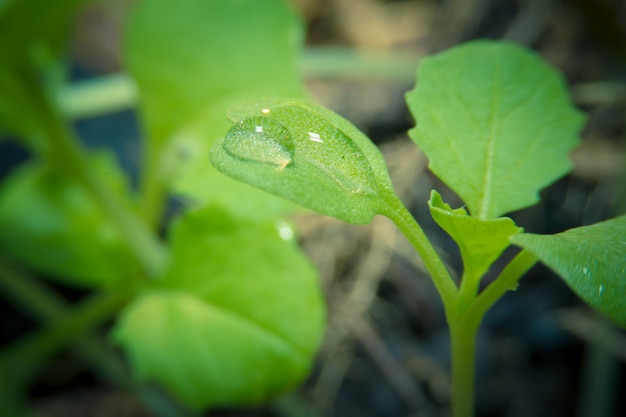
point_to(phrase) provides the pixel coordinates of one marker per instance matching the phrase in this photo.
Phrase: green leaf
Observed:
(481, 241)
(237, 318)
(496, 123)
(308, 155)
(190, 55)
(591, 260)
(201, 182)
(51, 223)
(192, 61)
(31, 68)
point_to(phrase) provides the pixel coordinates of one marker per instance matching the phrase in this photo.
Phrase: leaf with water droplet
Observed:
(306, 154)
(590, 259)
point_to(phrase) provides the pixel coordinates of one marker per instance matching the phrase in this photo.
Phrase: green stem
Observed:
(148, 249)
(36, 300)
(506, 281)
(151, 187)
(464, 326)
(44, 305)
(463, 346)
(468, 290)
(21, 358)
(409, 227)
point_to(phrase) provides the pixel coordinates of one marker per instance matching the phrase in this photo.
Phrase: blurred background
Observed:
(541, 352)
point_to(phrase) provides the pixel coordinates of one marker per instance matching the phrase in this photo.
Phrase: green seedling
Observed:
(497, 125)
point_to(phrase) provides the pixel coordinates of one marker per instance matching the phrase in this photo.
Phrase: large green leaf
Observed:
(192, 61)
(189, 55)
(591, 260)
(495, 122)
(33, 35)
(308, 155)
(481, 241)
(52, 224)
(237, 318)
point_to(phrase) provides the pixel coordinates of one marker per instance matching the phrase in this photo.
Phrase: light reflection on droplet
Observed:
(600, 289)
(285, 231)
(315, 137)
(265, 111)
(258, 129)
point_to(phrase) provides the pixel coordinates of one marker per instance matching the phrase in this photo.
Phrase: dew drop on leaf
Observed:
(260, 139)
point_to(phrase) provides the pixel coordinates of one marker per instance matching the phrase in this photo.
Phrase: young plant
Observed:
(227, 310)
(496, 124)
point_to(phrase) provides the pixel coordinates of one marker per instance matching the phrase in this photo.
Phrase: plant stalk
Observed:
(463, 347)
(506, 281)
(44, 305)
(440, 275)
(151, 186)
(464, 324)
(150, 252)
(21, 358)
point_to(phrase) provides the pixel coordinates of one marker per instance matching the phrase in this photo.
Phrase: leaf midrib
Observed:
(485, 205)
(267, 331)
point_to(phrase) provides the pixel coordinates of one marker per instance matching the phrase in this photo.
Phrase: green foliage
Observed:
(227, 311)
(496, 124)
(33, 34)
(591, 260)
(307, 154)
(232, 51)
(481, 241)
(235, 319)
(45, 217)
(208, 38)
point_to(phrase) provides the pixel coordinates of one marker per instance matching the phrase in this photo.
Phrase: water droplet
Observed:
(260, 139)
(600, 289)
(585, 270)
(315, 137)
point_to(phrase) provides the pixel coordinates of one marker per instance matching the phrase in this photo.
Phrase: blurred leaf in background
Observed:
(33, 66)
(192, 61)
(236, 319)
(49, 221)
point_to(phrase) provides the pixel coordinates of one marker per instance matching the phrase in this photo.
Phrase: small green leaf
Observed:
(591, 260)
(481, 241)
(236, 319)
(308, 155)
(496, 123)
(51, 223)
